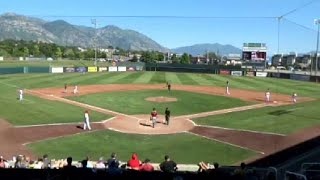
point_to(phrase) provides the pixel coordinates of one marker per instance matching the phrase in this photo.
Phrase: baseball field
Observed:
(206, 124)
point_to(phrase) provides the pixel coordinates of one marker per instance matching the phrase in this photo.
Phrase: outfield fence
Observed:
(250, 71)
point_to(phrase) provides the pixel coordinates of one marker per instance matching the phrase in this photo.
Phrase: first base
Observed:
(51, 94)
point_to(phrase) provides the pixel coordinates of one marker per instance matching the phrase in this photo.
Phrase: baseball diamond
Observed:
(225, 127)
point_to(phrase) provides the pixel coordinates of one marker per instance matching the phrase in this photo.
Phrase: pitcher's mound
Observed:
(161, 99)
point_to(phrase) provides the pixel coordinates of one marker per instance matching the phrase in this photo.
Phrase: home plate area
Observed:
(141, 124)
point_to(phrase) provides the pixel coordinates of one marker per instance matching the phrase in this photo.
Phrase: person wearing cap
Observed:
(146, 166)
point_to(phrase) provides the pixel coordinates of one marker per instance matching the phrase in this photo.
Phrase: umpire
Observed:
(167, 115)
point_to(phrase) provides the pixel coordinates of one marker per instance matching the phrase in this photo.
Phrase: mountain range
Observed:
(201, 49)
(19, 27)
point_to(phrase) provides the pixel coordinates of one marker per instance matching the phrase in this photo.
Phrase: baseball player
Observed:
(75, 90)
(20, 95)
(294, 97)
(267, 96)
(169, 86)
(167, 115)
(86, 121)
(227, 88)
(65, 87)
(153, 117)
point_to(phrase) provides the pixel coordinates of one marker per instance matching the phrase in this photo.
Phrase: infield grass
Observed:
(283, 119)
(34, 110)
(182, 148)
(133, 102)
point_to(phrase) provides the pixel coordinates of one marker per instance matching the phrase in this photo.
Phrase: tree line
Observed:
(21, 48)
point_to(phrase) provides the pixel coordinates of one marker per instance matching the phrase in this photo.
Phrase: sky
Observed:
(229, 28)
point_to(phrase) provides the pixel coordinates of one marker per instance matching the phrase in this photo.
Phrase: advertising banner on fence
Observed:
(236, 73)
(139, 68)
(300, 77)
(131, 68)
(56, 69)
(261, 74)
(103, 69)
(81, 69)
(122, 68)
(92, 69)
(68, 69)
(250, 73)
(224, 72)
(112, 68)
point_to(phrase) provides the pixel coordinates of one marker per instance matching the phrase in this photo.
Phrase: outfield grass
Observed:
(283, 119)
(133, 102)
(183, 148)
(307, 89)
(35, 110)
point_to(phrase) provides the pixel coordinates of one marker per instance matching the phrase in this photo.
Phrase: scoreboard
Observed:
(254, 51)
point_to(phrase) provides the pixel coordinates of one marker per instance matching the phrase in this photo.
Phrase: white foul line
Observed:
(224, 142)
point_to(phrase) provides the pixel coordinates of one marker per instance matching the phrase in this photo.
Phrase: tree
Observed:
(69, 53)
(25, 52)
(175, 58)
(58, 53)
(36, 50)
(4, 53)
(160, 57)
(185, 59)
(134, 58)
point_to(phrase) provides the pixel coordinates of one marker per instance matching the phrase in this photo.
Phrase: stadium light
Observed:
(317, 22)
(94, 22)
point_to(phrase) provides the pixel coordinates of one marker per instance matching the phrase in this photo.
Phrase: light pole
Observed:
(317, 22)
(94, 22)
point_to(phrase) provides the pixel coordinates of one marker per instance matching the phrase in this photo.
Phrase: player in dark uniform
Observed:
(65, 87)
(167, 115)
(169, 86)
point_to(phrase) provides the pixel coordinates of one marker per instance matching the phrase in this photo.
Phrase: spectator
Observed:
(100, 164)
(46, 162)
(113, 160)
(134, 163)
(89, 163)
(3, 163)
(39, 164)
(146, 166)
(204, 166)
(32, 165)
(113, 167)
(84, 163)
(241, 172)
(168, 165)
(21, 162)
(69, 164)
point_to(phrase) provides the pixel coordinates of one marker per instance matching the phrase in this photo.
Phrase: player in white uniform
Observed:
(267, 96)
(294, 97)
(227, 88)
(86, 121)
(75, 90)
(20, 95)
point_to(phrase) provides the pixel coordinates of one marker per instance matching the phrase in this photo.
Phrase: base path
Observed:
(16, 137)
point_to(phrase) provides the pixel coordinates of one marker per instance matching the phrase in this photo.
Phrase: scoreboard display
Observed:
(254, 51)
(254, 55)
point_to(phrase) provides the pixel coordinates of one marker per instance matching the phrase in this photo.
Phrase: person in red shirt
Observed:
(134, 163)
(153, 117)
(146, 166)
